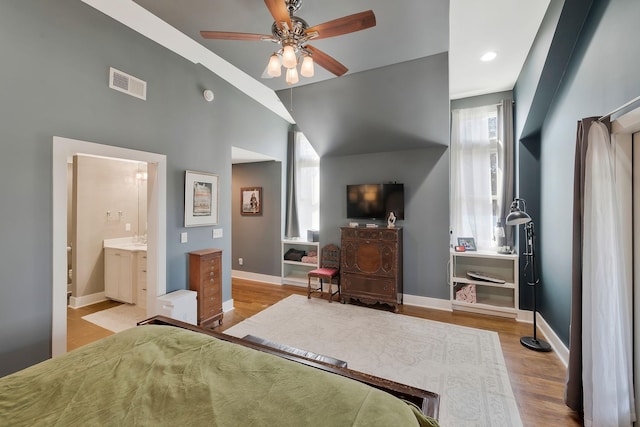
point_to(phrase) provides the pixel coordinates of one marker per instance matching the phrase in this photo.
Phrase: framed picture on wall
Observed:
(200, 199)
(251, 201)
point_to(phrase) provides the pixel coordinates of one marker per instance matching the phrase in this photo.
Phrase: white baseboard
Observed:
(77, 302)
(427, 302)
(556, 343)
(256, 277)
(227, 305)
(550, 336)
(525, 316)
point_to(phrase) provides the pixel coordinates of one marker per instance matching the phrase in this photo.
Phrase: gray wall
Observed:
(424, 171)
(601, 76)
(425, 175)
(257, 238)
(480, 100)
(53, 81)
(398, 107)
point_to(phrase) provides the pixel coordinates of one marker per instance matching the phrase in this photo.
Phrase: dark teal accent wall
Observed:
(547, 61)
(528, 163)
(54, 81)
(602, 74)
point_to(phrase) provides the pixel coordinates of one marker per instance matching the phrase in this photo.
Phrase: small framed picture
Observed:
(469, 243)
(200, 199)
(251, 201)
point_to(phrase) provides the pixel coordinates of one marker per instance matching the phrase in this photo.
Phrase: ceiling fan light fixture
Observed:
(306, 69)
(292, 76)
(274, 69)
(292, 33)
(289, 59)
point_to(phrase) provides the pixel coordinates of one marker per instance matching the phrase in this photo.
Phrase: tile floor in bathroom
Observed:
(81, 332)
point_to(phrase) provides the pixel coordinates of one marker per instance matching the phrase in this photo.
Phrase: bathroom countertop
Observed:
(125, 243)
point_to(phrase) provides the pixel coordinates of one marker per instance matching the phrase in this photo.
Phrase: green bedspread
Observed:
(161, 375)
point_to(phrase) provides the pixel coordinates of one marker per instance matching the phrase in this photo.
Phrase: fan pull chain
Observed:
(291, 99)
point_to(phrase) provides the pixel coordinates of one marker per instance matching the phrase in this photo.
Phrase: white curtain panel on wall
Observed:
(472, 214)
(606, 319)
(307, 164)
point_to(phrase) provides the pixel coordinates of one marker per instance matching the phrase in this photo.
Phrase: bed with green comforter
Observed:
(161, 375)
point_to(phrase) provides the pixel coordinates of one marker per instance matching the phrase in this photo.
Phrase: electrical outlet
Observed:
(240, 261)
(127, 227)
(184, 237)
(217, 233)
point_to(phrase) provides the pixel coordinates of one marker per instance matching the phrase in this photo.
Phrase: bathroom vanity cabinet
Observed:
(125, 273)
(141, 279)
(119, 275)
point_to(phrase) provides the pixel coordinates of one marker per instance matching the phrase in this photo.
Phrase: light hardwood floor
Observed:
(537, 379)
(81, 332)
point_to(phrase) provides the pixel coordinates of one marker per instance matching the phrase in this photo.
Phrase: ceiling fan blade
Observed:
(345, 25)
(279, 11)
(225, 35)
(325, 61)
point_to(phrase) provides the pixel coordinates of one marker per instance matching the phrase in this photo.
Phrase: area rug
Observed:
(118, 318)
(465, 366)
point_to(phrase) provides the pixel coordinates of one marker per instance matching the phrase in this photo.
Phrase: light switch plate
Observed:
(184, 237)
(217, 233)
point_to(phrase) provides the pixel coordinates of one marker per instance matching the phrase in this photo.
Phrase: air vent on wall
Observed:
(128, 84)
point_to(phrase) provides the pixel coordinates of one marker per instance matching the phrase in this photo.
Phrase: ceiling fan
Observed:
(293, 33)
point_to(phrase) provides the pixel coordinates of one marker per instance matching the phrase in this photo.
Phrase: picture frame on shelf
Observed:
(201, 191)
(251, 201)
(469, 243)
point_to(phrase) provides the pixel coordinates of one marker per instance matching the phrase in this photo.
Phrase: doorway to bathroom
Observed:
(63, 150)
(106, 202)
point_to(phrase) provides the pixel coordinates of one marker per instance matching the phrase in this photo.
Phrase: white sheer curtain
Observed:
(606, 320)
(471, 205)
(307, 164)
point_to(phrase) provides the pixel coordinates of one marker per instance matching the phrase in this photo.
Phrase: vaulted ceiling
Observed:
(405, 30)
(373, 106)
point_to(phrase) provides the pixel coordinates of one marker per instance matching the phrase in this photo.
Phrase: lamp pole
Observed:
(517, 217)
(533, 342)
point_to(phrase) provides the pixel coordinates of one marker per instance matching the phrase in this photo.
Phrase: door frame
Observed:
(628, 192)
(63, 149)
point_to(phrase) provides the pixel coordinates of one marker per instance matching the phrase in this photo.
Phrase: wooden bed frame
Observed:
(427, 401)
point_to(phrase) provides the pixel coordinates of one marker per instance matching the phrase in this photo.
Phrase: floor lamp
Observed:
(517, 217)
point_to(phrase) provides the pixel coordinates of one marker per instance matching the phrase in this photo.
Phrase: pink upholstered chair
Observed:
(328, 271)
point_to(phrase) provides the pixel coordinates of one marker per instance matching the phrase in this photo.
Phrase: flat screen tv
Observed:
(375, 201)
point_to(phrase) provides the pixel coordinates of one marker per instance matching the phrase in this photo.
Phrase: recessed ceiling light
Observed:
(489, 56)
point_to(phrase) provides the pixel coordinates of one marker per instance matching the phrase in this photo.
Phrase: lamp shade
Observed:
(289, 59)
(517, 217)
(306, 69)
(274, 67)
(292, 76)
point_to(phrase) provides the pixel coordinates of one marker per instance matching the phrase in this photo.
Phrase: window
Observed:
(477, 175)
(307, 165)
